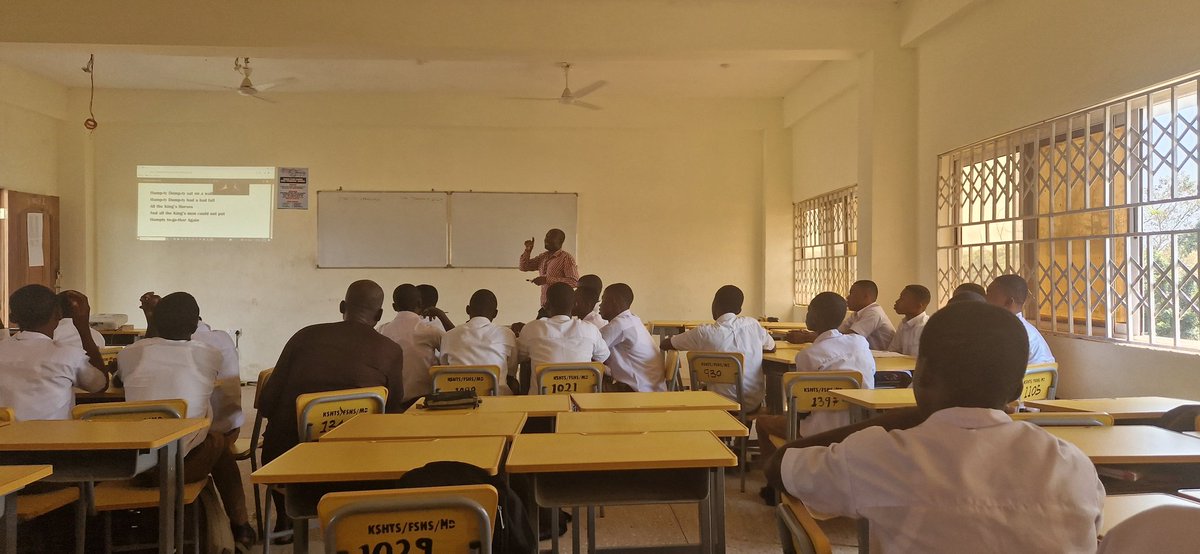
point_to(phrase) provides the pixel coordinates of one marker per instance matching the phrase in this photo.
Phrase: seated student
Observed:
(869, 319)
(731, 333)
(330, 356)
(587, 300)
(430, 314)
(969, 287)
(479, 341)
(967, 477)
(40, 374)
(635, 363)
(832, 351)
(560, 338)
(66, 333)
(172, 365)
(911, 304)
(1009, 292)
(419, 341)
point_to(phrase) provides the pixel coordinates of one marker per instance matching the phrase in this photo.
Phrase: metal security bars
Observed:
(1098, 209)
(825, 243)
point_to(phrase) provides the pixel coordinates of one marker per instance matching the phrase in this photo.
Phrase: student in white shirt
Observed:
(831, 351)
(38, 374)
(731, 333)
(172, 365)
(587, 300)
(479, 341)
(560, 338)
(430, 314)
(66, 333)
(635, 362)
(1010, 292)
(418, 340)
(869, 319)
(960, 480)
(911, 304)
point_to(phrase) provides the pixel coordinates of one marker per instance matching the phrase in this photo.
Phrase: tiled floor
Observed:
(749, 524)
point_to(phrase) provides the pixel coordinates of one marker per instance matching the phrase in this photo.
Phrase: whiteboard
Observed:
(488, 229)
(382, 229)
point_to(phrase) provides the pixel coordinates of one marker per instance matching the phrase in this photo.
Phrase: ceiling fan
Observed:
(569, 97)
(248, 88)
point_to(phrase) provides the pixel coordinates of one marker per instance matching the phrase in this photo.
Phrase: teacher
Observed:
(553, 266)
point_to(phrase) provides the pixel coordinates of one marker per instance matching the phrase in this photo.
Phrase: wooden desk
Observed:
(678, 400)
(109, 450)
(668, 327)
(533, 405)
(12, 480)
(864, 403)
(717, 422)
(1129, 408)
(1118, 508)
(111, 394)
(783, 360)
(312, 469)
(377, 427)
(122, 337)
(1131, 444)
(637, 468)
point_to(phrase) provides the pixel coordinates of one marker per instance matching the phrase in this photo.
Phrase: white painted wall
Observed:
(825, 147)
(670, 197)
(30, 110)
(1005, 64)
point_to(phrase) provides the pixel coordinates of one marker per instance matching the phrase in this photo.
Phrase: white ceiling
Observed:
(130, 69)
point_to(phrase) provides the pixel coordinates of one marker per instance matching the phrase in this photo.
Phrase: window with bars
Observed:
(825, 243)
(1098, 210)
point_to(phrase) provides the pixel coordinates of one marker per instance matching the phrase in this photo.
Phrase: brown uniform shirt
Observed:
(325, 357)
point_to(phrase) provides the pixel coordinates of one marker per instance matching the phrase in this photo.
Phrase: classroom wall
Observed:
(671, 197)
(30, 110)
(1001, 65)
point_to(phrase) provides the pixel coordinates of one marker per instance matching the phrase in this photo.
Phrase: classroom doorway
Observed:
(29, 235)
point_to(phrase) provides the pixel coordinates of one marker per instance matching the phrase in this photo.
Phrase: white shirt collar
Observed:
(624, 314)
(969, 418)
(477, 321)
(726, 317)
(918, 317)
(830, 334)
(30, 335)
(560, 318)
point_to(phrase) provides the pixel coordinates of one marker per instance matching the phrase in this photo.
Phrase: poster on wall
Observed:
(293, 188)
(33, 233)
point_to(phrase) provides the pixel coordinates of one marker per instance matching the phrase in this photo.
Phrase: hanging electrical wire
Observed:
(90, 123)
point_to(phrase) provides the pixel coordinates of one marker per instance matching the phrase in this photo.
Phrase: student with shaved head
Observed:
(419, 340)
(911, 304)
(731, 333)
(479, 341)
(347, 354)
(587, 300)
(1010, 292)
(555, 265)
(561, 338)
(635, 363)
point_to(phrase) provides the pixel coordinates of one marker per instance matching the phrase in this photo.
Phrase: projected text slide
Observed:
(179, 202)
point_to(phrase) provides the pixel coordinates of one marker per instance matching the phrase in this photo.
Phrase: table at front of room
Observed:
(671, 327)
(643, 401)
(311, 469)
(83, 451)
(12, 480)
(568, 469)
(1129, 410)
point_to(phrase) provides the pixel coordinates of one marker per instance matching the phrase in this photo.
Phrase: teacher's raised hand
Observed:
(529, 244)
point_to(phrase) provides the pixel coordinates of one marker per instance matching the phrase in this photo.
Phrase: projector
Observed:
(108, 322)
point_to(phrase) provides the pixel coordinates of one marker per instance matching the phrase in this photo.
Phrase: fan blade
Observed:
(273, 84)
(587, 105)
(556, 99)
(267, 100)
(588, 89)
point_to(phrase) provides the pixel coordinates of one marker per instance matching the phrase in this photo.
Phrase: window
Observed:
(1098, 210)
(825, 244)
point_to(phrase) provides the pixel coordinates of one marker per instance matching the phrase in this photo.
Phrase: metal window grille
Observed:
(1099, 211)
(825, 243)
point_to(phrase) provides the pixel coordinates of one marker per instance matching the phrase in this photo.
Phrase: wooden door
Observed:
(29, 258)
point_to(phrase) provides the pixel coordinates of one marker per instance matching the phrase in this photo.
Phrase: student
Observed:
(430, 314)
(330, 356)
(968, 478)
(560, 338)
(66, 333)
(39, 374)
(831, 351)
(969, 287)
(479, 341)
(173, 365)
(418, 340)
(869, 319)
(635, 362)
(1009, 292)
(731, 333)
(966, 296)
(587, 300)
(911, 304)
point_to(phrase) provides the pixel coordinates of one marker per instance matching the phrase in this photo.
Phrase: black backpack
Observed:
(512, 532)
